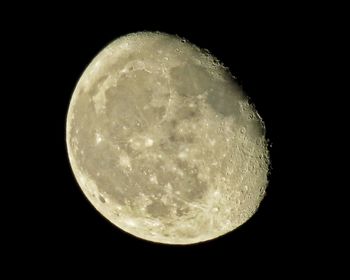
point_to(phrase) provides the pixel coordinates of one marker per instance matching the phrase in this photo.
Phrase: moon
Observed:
(164, 143)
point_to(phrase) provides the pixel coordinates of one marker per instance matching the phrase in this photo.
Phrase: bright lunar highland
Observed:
(164, 143)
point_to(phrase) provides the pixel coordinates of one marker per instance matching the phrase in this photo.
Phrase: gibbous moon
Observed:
(164, 143)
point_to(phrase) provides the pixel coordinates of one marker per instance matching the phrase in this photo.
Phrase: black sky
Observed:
(266, 54)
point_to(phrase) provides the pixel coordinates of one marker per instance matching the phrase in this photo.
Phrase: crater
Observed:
(158, 209)
(102, 199)
(190, 80)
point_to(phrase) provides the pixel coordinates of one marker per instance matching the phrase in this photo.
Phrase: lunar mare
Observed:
(163, 142)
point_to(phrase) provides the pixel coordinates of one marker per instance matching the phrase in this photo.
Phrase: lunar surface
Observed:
(164, 143)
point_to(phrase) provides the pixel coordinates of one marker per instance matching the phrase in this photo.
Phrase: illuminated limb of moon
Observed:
(163, 143)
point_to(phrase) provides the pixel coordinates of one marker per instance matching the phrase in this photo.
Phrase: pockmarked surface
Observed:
(164, 143)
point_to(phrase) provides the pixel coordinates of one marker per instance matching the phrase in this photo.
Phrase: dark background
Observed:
(268, 53)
